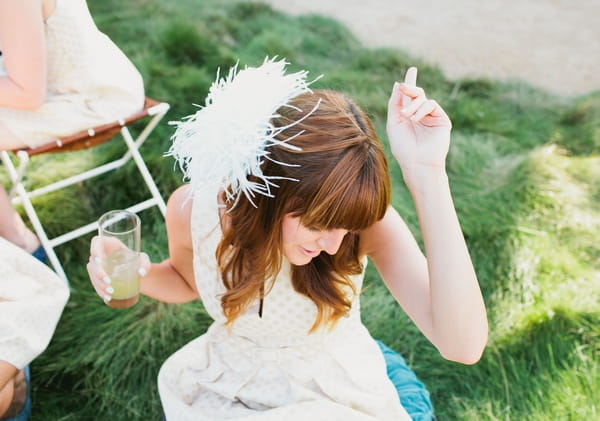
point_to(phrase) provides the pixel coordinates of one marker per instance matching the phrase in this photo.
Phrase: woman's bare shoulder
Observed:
(179, 213)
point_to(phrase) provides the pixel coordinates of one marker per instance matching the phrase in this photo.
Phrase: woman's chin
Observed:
(300, 261)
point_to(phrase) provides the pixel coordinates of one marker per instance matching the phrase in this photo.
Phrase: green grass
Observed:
(525, 173)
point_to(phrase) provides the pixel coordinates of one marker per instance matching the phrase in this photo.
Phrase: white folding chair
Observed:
(153, 109)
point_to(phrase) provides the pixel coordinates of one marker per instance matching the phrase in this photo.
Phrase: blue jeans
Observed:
(411, 391)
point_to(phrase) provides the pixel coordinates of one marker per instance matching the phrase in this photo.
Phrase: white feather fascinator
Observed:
(228, 138)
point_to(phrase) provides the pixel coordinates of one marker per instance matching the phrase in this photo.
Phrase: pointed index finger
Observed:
(411, 76)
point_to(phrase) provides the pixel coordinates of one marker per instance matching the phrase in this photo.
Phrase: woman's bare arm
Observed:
(172, 280)
(23, 46)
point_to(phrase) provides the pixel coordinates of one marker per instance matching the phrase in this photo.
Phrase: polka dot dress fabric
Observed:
(270, 367)
(90, 81)
(32, 298)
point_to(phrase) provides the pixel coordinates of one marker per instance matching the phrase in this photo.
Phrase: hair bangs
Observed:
(353, 196)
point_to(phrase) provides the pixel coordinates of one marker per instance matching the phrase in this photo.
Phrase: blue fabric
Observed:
(40, 254)
(413, 395)
(24, 414)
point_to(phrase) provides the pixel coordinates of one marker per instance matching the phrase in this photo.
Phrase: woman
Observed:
(58, 75)
(278, 256)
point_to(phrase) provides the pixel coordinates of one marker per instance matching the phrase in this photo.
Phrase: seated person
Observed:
(32, 298)
(289, 197)
(58, 75)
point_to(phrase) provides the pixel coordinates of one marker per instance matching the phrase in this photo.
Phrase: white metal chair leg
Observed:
(133, 149)
(19, 193)
(40, 232)
(18, 189)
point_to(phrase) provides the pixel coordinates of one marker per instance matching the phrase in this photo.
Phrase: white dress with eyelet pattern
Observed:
(271, 368)
(90, 81)
(32, 298)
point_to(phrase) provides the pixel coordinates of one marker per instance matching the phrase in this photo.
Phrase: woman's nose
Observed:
(331, 241)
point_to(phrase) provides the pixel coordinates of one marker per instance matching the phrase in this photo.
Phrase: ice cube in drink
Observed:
(122, 268)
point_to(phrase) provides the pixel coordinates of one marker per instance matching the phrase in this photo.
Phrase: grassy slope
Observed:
(525, 172)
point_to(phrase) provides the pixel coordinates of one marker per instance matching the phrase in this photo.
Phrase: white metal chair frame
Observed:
(19, 193)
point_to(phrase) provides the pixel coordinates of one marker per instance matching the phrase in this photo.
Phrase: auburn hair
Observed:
(337, 178)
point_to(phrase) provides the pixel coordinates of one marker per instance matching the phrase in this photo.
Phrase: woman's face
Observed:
(301, 244)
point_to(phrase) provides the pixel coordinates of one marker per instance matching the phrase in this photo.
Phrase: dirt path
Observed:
(553, 44)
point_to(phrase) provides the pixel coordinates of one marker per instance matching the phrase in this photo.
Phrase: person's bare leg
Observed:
(6, 395)
(15, 396)
(8, 372)
(12, 227)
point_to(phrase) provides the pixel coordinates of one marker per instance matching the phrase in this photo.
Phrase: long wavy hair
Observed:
(343, 182)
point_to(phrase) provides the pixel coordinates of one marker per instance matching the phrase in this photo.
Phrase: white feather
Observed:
(228, 138)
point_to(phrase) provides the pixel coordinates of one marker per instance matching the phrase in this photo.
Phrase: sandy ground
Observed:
(552, 44)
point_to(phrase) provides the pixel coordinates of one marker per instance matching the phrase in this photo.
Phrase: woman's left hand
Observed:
(418, 129)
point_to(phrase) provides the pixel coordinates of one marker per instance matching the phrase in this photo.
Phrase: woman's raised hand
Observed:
(418, 129)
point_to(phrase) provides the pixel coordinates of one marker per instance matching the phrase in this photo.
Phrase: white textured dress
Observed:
(32, 298)
(270, 368)
(90, 81)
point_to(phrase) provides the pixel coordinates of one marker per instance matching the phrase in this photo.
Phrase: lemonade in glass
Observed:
(120, 234)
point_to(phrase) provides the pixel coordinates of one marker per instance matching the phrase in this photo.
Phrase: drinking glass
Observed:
(120, 236)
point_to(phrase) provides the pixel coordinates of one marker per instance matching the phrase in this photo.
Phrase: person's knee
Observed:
(6, 396)
(8, 140)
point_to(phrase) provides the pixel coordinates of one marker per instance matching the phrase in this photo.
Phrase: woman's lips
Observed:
(310, 253)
